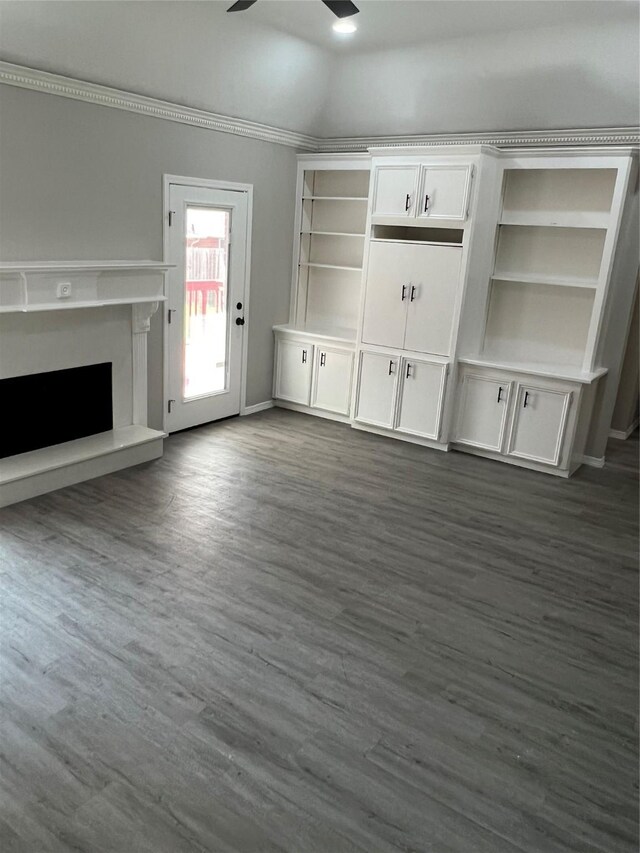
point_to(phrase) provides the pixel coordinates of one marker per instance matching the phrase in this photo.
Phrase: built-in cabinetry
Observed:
(315, 350)
(469, 299)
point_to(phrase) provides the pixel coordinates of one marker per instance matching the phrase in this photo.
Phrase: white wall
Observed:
(563, 77)
(190, 53)
(79, 181)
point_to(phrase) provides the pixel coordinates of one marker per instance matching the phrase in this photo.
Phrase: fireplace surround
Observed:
(59, 316)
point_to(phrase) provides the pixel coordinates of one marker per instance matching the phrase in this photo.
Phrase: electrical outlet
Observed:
(64, 290)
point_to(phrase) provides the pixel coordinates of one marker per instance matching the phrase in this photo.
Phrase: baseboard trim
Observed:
(257, 407)
(623, 435)
(593, 461)
(36, 80)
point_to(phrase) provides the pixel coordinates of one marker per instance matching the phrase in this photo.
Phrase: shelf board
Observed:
(335, 198)
(336, 233)
(69, 304)
(341, 334)
(82, 266)
(330, 267)
(551, 371)
(35, 462)
(557, 281)
(553, 219)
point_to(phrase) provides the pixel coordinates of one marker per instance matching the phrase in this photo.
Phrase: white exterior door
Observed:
(332, 380)
(444, 192)
(293, 372)
(421, 398)
(387, 295)
(205, 309)
(539, 423)
(433, 274)
(395, 190)
(483, 405)
(377, 379)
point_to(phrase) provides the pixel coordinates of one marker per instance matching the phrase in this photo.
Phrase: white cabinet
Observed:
(482, 411)
(444, 192)
(422, 386)
(416, 191)
(402, 394)
(395, 190)
(293, 372)
(516, 416)
(539, 422)
(377, 381)
(411, 295)
(332, 373)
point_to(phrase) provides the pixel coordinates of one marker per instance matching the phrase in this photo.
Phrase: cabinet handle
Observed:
(499, 394)
(404, 292)
(323, 359)
(407, 203)
(413, 292)
(304, 356)
(391, 364)
(426, 203)
(526, 399)
(408, 373)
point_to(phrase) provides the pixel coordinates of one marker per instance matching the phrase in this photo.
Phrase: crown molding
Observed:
(80, 90)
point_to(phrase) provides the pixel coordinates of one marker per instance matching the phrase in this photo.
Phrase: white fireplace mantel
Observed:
(29, 287)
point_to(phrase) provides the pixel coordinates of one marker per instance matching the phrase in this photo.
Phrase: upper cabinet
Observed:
(422, 191)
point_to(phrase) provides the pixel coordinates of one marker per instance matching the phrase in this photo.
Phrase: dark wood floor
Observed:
(290, 636)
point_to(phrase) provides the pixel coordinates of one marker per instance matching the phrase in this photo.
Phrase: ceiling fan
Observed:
(340, 8)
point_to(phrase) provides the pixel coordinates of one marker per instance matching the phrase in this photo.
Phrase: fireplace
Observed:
(45, 409)
(73, 371)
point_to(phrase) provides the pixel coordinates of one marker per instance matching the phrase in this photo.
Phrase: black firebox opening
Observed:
(44, 409)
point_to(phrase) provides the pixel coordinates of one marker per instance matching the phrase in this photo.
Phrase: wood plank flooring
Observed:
(287, 635)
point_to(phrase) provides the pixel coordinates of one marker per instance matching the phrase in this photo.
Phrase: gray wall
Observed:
(79, 181)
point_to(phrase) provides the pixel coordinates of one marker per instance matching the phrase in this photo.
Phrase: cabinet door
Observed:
(421, 398)
(483, 403)
(539, 422)
(394, 190)
(332, 380)
(434, 276)
(386, 295)
(293, 372)
(377, 379)
(444, 192)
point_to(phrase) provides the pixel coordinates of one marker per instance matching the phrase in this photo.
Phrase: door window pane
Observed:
(206, 330)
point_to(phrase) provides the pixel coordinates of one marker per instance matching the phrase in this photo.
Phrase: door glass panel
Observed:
(206, 318)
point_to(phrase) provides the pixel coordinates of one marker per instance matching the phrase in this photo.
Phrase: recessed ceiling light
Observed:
(344, 27)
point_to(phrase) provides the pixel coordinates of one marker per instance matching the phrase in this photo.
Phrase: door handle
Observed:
(499, 394)
(404, 292)
(407, 203)
(413, 292)
(391, 365)
(426, 203)
(526, 399)
(304, 356)
(323, 359)
(170, 313)
(239, 321)
(408, 373)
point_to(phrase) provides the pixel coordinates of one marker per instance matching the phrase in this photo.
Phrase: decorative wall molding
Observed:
(80, 90)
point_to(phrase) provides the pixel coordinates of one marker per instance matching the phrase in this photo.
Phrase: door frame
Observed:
(209, 184)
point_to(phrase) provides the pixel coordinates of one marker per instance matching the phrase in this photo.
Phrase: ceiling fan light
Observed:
(344, 26)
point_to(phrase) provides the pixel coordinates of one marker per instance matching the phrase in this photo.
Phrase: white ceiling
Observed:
(395, 23)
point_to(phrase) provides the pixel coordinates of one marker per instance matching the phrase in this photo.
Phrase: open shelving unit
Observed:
(332, 211)
(548, 284)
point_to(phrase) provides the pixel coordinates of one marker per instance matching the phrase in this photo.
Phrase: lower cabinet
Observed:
(515, 416)
(401, 393)
(314, 375)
